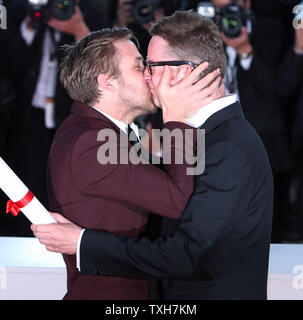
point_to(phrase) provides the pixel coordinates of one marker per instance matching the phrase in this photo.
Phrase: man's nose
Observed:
(147, 77)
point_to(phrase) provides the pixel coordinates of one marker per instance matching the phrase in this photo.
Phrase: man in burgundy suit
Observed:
(103, 73)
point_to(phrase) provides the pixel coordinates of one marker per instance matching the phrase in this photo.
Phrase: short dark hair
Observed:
(193, 37)
(93, 55)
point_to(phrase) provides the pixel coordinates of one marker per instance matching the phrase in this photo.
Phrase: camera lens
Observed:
(63, 5)
(144, 11)
(62, 9)
(231, 25)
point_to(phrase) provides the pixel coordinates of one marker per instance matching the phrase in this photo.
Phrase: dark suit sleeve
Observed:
(139, 185)
(216, 207)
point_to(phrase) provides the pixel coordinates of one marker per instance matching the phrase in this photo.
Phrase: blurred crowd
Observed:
(264, 68)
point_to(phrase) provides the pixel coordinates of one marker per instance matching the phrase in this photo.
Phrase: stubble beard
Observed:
(137, 104)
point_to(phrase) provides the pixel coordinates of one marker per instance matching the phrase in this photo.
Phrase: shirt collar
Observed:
(123, 126)
(207, 111)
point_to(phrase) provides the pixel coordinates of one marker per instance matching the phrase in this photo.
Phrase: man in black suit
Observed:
(222, 239)
(253, 60)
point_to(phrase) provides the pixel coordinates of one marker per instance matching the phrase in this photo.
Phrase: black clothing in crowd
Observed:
(29, 139)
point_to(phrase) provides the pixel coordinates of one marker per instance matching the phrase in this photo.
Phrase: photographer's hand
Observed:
(75, 25)
(241, 44)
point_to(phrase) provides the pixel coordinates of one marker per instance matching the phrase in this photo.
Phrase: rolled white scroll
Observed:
(16, 190)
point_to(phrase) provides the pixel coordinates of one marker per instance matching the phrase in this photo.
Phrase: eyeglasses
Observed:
(150, 64)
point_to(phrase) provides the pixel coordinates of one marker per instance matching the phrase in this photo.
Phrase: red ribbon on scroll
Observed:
(15, 207)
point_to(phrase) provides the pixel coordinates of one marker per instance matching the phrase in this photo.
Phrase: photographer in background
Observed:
(253, 59)
(8, 112)
(139, 16)
(33, 58)
(2, 117)
(5, 96)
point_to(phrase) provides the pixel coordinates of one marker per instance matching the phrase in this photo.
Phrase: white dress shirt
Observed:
(205, 112)
(120, 124)
(231, 67)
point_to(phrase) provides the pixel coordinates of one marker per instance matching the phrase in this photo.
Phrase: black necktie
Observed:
(133, 139)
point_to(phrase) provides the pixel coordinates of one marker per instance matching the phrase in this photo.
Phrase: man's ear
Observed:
(180, 73)
(105, 82)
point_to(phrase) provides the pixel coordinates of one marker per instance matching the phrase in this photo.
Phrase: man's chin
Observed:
(150, 108)
(153, 108)
(156, 103)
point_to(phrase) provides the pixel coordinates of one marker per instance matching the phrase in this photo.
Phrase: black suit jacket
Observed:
(223, 237)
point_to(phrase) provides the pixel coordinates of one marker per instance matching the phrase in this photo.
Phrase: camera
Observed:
(143, 11)
(230, 19)
(41, 10)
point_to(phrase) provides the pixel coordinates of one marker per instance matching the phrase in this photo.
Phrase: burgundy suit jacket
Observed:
(110, 197)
